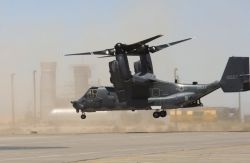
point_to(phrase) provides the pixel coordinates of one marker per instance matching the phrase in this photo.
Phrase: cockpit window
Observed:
(91, 93)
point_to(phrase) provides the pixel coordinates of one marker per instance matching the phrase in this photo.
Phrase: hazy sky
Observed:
(32, 31)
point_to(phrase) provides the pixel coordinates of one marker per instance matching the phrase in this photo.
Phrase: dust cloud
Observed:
(118, 122)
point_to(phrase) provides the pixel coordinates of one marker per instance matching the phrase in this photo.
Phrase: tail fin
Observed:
(236, 75)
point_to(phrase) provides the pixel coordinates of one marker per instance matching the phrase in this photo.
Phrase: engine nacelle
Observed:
(122, 62)
(117, 80)
(144, 65)
(115, 72)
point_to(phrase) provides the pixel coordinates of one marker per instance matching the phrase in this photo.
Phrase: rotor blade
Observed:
(88, 53)
(154, 49)
(105, 52)
(101, 52)
(138, 44)
(177, 42)
(106, 56)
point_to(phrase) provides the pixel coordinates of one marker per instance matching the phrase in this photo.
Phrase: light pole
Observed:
(12, 99)
(34, 96)
(176, 77)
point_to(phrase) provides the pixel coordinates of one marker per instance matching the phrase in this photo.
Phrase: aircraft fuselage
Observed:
(164, 94)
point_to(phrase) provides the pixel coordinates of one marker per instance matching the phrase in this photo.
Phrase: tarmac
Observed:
(228, 147)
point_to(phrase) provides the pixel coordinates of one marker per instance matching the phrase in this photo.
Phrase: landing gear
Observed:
(157, 114)
(163, 113)
(83, 116)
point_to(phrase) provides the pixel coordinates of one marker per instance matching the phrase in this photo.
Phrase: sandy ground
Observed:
(127, 147)
(224, 154)
(117, 122)
(123, 138)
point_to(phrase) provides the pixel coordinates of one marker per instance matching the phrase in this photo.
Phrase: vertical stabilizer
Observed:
(236, 75)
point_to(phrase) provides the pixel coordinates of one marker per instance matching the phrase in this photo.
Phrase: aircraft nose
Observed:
(75, 104)
(78, 106)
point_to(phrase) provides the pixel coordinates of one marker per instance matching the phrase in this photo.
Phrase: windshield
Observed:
(91, 93)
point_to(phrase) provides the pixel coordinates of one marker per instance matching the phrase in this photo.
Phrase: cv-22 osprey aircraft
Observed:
(142, 90)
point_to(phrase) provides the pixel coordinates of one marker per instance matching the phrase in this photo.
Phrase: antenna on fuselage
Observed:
(176, 77)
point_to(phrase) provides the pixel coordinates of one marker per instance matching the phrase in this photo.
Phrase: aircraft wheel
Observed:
(156, 114)
(83, 116)
(163, 113)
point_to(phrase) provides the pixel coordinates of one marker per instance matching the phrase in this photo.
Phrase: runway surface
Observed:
(130, 147)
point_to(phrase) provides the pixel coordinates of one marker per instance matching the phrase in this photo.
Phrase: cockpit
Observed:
(91, 93)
